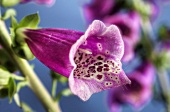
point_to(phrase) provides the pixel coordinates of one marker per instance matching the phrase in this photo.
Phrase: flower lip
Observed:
(98, 61)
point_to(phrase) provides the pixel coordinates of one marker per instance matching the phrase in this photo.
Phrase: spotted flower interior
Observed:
(97, 60)
(90, 60)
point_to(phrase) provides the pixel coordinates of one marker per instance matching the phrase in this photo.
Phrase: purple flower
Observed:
(90, 60)
(138, 93)
(129, 50)
(48, 2)
(98, 9)
(129, 25)
(154, 9)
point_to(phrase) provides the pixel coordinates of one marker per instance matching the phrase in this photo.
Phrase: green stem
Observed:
(26, 70)
(164, 84)
(162, 73)
(54, 87)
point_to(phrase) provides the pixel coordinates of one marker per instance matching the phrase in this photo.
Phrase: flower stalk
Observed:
(164, 84)
(34, 82)
(161, 72)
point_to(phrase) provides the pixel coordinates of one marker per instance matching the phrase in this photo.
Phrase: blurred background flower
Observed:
(137, 94)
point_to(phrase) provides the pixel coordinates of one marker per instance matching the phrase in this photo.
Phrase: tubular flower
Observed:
(90, 60)
(48, 2)
(98, 9)
(129, 25)
(138, 93)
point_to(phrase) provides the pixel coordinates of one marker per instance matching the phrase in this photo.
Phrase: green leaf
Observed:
(17, 99)
(26, 108)
(4, 75)
(30, 21)
(11, 89)
(14, 22)
(21, 85)
(19, 45)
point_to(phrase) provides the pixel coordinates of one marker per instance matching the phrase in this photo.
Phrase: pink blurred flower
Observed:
(129, 25)
(138, 93)
(98, 9)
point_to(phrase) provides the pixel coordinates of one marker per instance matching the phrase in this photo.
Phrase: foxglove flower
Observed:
(138, 93)
(48, 2)
(129, 25)
(98, 9)
(154, 9)
(90, 60)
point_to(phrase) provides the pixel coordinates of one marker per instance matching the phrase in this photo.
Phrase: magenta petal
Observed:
(52, 47)
(98, 61)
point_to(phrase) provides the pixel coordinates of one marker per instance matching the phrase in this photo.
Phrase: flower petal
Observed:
(52, 47)
(98, 61)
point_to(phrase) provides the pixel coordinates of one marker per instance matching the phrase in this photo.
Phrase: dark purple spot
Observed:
(92, 61)
(113, 64)
(80, 58)
(92, 69)
(99, 77)
(99, 58)
(79, 66)
(106, 65)
(106, 69)
(87, 75)
(98, 63)
(99, 69)
(87, 60)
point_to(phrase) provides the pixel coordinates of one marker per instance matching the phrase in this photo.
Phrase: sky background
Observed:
(68, 14)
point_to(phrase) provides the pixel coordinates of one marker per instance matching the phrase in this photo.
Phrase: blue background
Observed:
(68, 14)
